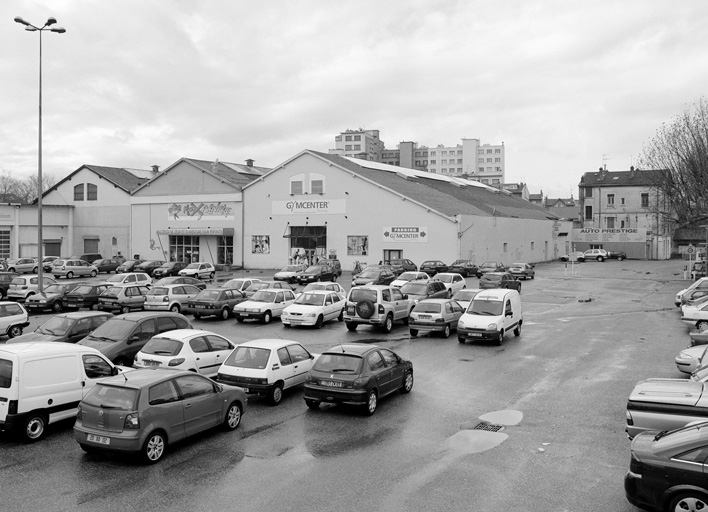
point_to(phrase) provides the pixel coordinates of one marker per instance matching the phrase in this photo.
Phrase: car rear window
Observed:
(491, 278)
(248, 357)
(19, 281)
(207, 295)
(114, 330)
(358, 295)
(162, 347)
(338, 363)
(415, 288)
(427, 307)
(158, 290)
(112, 397)
(5, 373)
(82, 290)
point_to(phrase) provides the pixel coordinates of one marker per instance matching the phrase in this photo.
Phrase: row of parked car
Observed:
(594, 255)
(667, 421)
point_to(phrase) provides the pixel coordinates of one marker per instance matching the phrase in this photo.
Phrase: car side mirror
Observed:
(114, 371)
(509, 313)
(405, 296)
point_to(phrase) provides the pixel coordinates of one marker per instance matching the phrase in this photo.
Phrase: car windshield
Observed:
(291, 268)
(318, 286)
(118, 278)
(57, 263)
(310, 299)
(314, 269)
(233, 283)
(82, 290)
(460, 263)
(257, 286)
(338, 363)
(407, 276)
(159, 290)
(114, 330)
(486, 307)
(427, 307)
(464, 295)
(680, 437)
(207, 295)
(414, 288)
(111, 397)
(491, 278)
(517, 265)
(489, 264)
(358, 295)
(57, 326)
(193, 265)
(55, 288)
(264, 296)
(162, 347)
(369, 274)
(248, 357)
(444, 278)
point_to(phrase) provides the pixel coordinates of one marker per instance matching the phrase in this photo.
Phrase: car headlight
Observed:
(311, 314)
(461, 323)
(492, 327)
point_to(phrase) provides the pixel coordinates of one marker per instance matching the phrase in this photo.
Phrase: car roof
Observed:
(435, 300)
(143, 377)
(85, 314)
(183, 334)
(319, 292)
(270, 343)
(139, 315)
(352, 348)
(44, 347)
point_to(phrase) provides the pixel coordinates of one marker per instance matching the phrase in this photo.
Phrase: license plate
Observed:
(200, 307)
(350, 310)
(425, 317)
(98, 439)
(331, 384)
(245, 390)
(243, 314)
(474, 334)
(151, 363)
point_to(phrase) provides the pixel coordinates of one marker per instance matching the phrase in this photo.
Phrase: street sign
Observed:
(690, 249)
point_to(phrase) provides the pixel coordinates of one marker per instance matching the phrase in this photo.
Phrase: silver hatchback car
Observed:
(73, 267)
(170, 297)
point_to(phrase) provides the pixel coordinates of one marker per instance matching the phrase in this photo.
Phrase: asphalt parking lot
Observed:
(591, 331)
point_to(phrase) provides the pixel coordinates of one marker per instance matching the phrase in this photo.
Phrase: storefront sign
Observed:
(197, 231)
(314, 206)
(591, 235)
(200, 211)
(405, 234)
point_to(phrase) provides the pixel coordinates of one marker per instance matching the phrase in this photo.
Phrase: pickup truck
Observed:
(665, 404)
(376, 305)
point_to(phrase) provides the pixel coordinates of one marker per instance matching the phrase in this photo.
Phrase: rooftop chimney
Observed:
(155, 169)
(249, 162)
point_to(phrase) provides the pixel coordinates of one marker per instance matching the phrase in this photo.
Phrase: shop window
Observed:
(260, 244)
(225, 250)
(91, 192)
(357, 245)
(4, 243)
(79, 192)
(184, 248)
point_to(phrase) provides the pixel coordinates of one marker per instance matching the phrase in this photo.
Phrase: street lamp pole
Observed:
(60, 30)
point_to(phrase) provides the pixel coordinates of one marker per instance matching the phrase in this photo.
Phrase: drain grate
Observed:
(489, 427)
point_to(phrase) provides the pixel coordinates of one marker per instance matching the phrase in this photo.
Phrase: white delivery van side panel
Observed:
(53, 383)
(8, 383)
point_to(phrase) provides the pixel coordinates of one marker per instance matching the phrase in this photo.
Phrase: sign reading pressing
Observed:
(405, 234)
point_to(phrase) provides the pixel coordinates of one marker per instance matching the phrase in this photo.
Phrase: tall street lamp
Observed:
(60, 30)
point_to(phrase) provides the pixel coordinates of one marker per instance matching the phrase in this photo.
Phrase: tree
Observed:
(680, 151)
(28, 189)
(9, 188)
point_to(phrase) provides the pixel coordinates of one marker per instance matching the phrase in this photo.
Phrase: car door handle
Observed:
(187, 405)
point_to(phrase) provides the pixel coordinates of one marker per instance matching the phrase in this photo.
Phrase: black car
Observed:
(181, 280)
(171, 268)
(463, 267)
(84, 296)
(616, 255)
(52, 297)
(374, 277)
(107, 265)
(149, 266)
(432, 267)
(315, 273)
(666, 469)
(128, 266)
(66, 327)
(358, 374)
(500, 280)
(5, 280)
(401, 265)
(490, 266)
(419, 290)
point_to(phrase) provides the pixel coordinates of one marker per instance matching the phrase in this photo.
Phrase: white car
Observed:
(13, 318)
(264, 305)
(170, 297)
(314, 308)
(689, 359)
(22, 287)
(696, 315)
(239, 284)
(129, 278)
(331, 287)
(267, 367)
(289, 273)
(185, 349)
(453, 282)
(200, 270)
(407, 277)
(701, 283)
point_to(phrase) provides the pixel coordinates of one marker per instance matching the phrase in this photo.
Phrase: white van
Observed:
(43, 382)
(491, 314)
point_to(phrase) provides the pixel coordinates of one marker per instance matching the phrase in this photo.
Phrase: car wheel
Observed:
(340, 318)
(688, 501)
(414, 332)
(125, 309)
(312, 404)
(94, 307)
(371, 403)
(446, 331)
(620, 258)
(319, 322)
(499, 338)
(276, 394)
(154, 447)
(14, 331)
(57, 306)
(34, 427)
(702, 325)
(600, 259)
(407, 383)
(517, 331)
(233, 417)
(225, 314)
(34, 270)
(69, 275)
(94, 273)
(351, 326)
(267, 317)
(319, 279)
(11, 269)
(196, 316)
(388, 324)
(211, 275)
(533, 276)
(175, 308)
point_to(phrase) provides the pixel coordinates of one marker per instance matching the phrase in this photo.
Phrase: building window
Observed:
(532, 245)
(480, 160)
(497, 150)
(317, 186)
(610, 222)
(357, 137)
(506, 247)
(495, 182)
(489, 151)
(225, 250)
(645, 200)
(91, 192)
(417, 162)
(459, 151)
(480, 152)
(348, 147)
(357, 147)
(498, 169)
(348, 138)
(443, 170)
(443, 162)
(588, 212)
(79, 192)
(425, 162)
(184, 248)
(489, 160)
(610, 200)
(357, 245)
(296, 187)
(497, 159)
(459, 161)
(588, 192)
(622, 201)
(425, 153)
(622, 224)
(480, 169)
(4, 243)
(432, 162)
(432, 153)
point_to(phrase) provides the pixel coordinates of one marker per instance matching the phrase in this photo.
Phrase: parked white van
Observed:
(491, 314)
(43, 382)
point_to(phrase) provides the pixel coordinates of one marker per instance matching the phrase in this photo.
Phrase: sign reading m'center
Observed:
(405, 234)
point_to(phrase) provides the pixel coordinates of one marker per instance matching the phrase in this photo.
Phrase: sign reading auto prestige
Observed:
(609, 235)
(310, 206)
(405, 234)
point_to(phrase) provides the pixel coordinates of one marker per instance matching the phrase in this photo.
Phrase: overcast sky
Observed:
(565, 85)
